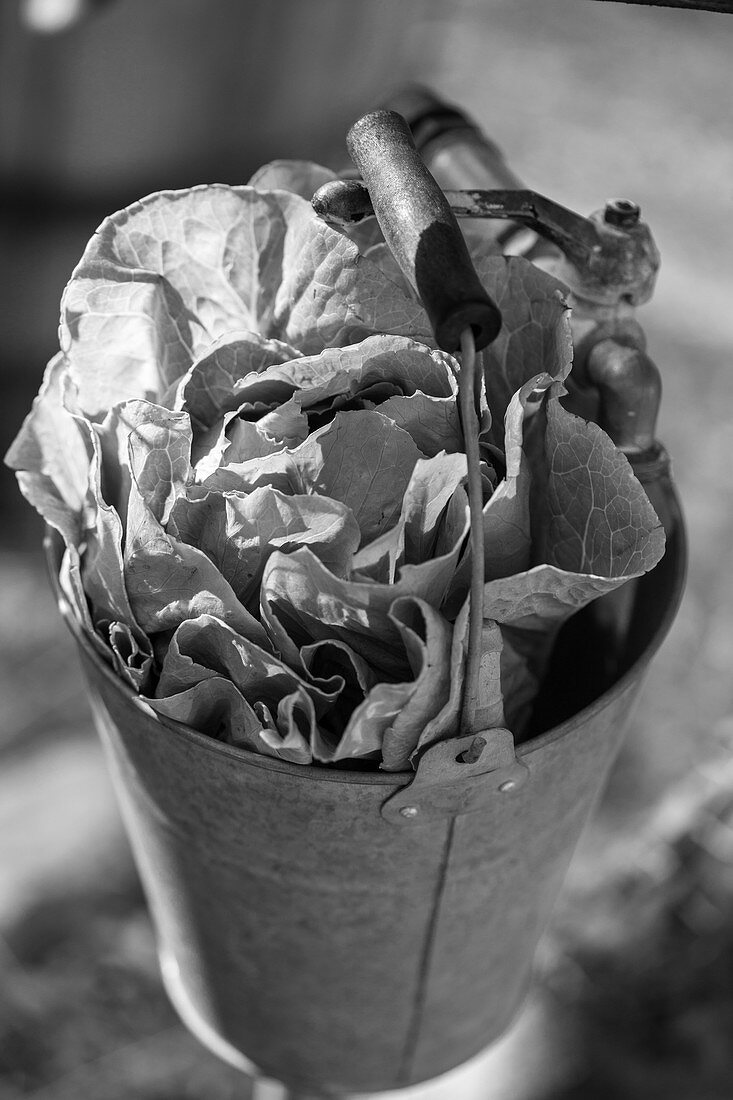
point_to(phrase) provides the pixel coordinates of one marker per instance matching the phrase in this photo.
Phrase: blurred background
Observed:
(102, 104)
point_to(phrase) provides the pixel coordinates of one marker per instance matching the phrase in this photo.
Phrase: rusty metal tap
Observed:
(608, 262)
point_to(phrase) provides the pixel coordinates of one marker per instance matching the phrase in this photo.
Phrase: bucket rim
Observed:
(53, 548)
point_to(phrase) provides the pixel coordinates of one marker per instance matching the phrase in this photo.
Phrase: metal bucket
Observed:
(314, 925)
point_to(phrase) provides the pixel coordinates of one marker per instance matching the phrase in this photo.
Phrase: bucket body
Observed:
(341, 942)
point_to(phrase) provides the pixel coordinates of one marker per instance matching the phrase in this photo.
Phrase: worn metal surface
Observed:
(334, 948)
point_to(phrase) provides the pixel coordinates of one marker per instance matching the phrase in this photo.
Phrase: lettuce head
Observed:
(252, 450)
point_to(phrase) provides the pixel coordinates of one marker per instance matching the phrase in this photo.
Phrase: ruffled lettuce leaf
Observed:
(169, 582)
(51, 456)
(102, 565)
(372, 371)
(238, 532)
(286, 704)
(302, 602)
(360, 458)
(433, 422)
(162, 280)
(216, 707)
(212, 385)
(432, 524)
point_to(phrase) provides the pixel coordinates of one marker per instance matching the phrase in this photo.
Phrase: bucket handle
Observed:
(458, 776)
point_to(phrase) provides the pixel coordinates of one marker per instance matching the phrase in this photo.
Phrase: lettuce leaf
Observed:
(535, 336)
(285, 704)
(595, 517)
(392, 717)
(169, 582)
(593, 528)
(162, 280)
(212, 385)
(300, 177)
(51, 455)
(302, 602)
(360, 458)
(217, 708)
(239, 531)
(433, 422)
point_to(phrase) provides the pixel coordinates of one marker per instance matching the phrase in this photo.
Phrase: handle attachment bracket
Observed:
(458, 776)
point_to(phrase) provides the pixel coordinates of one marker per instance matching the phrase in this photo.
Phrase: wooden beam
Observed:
(696, 5)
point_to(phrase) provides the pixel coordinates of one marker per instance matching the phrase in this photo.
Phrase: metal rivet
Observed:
(409, 811)
(507, 785)
(622, 213)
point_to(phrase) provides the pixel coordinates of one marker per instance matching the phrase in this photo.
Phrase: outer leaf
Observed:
(490, 701)
(301, 177)
(52, 457)
(535, 335)
(282, 700)
(163, 279)
(42, 493)
(543, 597)
(507, 528)
(594, 528)
(382, 255)
(102, 567)
(217, 708)
(71, 584)
(123, 338)
(492, 686)
(597, 517)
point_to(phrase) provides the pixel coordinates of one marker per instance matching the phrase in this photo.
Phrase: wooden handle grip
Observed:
(421, 230)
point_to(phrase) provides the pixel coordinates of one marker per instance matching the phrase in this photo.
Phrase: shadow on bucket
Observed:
(311, 927)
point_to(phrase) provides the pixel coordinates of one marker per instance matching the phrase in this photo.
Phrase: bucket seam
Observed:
(413, 1031)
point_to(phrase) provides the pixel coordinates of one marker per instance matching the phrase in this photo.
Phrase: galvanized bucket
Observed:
(312, 923)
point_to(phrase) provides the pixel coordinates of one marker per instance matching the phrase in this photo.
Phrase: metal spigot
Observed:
(609, 264)
(608, 259)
